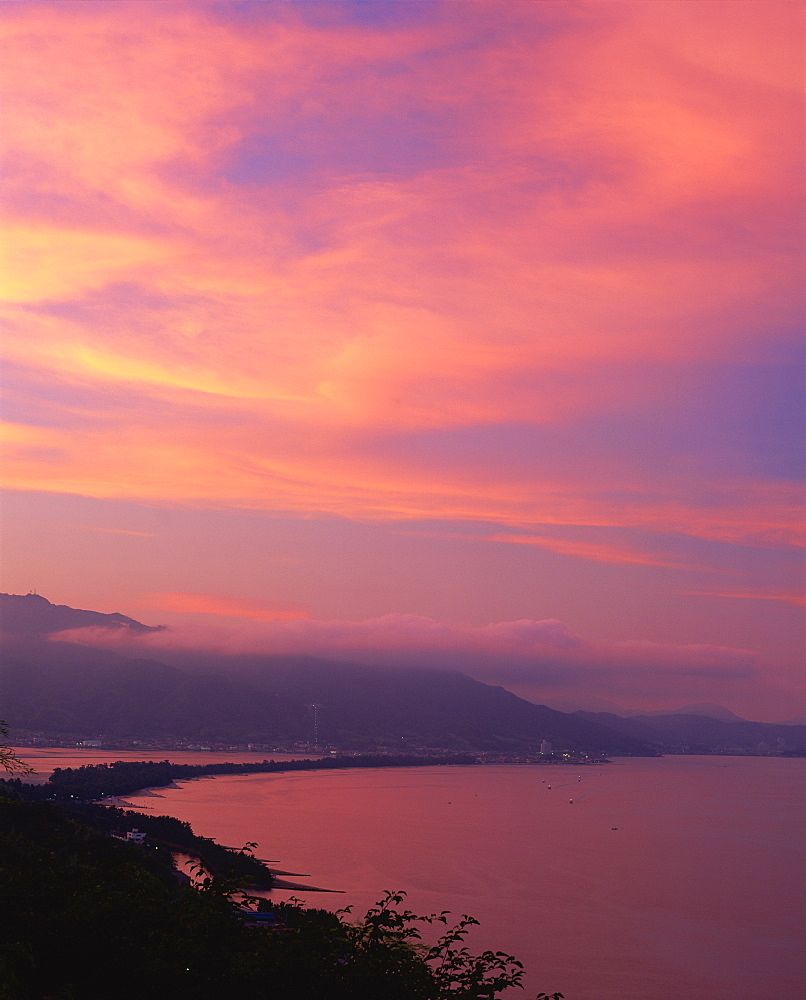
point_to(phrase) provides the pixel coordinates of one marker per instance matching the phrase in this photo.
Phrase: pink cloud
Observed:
(226, 606)
(797, 599)
(597, 551)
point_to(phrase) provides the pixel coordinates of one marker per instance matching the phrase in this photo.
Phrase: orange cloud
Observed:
(160, 457)
(609, 192)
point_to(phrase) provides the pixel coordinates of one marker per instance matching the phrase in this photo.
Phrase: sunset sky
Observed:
(462, 333)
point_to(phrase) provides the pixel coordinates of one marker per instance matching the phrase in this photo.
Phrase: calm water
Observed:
(698, 894)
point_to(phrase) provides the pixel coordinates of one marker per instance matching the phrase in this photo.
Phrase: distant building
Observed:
(545, 747)
(134, 836)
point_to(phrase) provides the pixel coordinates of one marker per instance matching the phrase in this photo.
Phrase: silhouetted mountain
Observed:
(427, 707)
(30, 614)
(587, 703)
(701, 734)
(139, 699)
(63, 688)
(707, 708)
(357, 707)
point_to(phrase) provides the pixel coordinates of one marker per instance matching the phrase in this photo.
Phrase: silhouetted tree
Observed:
(9, 761)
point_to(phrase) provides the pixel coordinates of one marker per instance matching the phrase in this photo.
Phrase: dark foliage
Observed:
(165, 832)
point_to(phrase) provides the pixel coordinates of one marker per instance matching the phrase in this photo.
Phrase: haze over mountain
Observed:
(65, 688)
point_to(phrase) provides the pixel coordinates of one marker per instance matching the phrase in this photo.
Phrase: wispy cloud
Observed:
(115, 531)
(798, 599)
(225, 606)
(596, 551)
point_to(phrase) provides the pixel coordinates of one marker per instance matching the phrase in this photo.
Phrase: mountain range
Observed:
(66, 690)
(699, 733)
(706, 708)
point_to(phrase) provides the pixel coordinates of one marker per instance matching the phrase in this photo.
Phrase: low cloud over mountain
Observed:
(542, 661)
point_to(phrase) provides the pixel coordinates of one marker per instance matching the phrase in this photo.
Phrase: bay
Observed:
(697, 893)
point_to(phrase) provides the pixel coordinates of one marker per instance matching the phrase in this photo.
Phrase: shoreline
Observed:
(277, 882)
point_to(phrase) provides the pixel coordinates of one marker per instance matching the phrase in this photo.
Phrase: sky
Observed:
(454, 333)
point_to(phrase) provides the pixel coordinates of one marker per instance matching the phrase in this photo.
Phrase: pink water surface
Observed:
(697, 895)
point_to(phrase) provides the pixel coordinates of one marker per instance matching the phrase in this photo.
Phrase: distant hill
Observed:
(67, 690)
(702, 734)
(707, 708)
(587, 703)
(30, 614)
